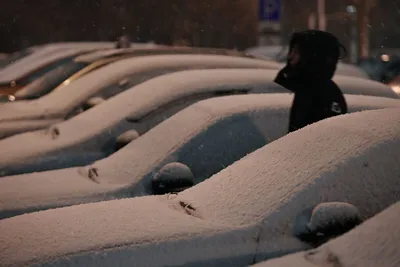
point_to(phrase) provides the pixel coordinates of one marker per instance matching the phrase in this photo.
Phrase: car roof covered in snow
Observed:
(152, 49)
(42, 57)
(351, 158)
(63, 99)
(374, 243)
(125, 169)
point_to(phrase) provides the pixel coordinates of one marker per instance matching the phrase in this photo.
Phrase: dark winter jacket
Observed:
(317, 97)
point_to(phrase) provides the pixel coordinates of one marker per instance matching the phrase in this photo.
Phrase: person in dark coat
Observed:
(312, 60)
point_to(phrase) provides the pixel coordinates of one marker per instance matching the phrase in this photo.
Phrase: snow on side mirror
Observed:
(125, 139)
(325, 221)
(172, 178)
(94, 101)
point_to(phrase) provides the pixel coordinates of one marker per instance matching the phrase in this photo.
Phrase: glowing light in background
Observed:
(385, 58)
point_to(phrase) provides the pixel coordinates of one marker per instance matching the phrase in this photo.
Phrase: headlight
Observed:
(11, 98)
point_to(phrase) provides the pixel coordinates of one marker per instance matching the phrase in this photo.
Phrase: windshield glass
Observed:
(49, 81)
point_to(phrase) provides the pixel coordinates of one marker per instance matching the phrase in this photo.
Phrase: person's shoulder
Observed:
(332, 85)
(333, 88)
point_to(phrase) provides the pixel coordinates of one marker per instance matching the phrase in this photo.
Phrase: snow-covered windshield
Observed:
(49, 81)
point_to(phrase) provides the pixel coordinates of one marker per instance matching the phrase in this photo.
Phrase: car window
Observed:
(137, 78)
(226, 141)
(144, 122)
(40, 72)
(50, 80)
(132, 80)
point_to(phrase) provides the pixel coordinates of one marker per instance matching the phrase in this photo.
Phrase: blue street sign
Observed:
(270, 10)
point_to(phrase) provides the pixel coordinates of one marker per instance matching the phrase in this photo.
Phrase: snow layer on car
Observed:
(152, 49)
(226, 210)
(351, 71)
(98, 55)
(125, 232)
(374, 243)
(37, 60)
(59, 102)
(136, 102)
(354, 85)
(9, 128)
(351, 158)
(129, 171)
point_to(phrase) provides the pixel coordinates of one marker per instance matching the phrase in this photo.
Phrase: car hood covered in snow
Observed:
(246, 209)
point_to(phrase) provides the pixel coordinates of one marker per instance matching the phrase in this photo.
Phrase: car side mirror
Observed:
(94, 101)
(125, 139)
(325, 221)
(172, 178)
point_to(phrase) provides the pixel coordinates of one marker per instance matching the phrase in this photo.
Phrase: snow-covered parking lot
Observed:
(240, 216)
(180, 156)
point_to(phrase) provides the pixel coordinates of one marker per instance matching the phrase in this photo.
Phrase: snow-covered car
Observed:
(66, 101)
(146, 104)
(374, 243)
(25, 70)
(240, 216)
(206, 137)
(279, 54)
(82, 65)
